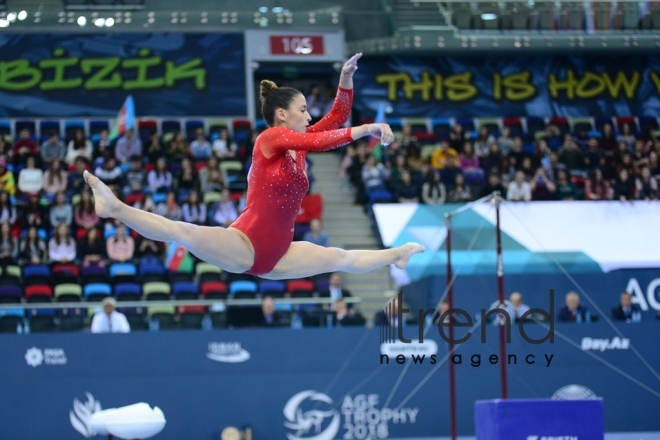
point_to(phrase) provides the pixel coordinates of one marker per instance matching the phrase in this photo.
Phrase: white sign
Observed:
(35, 357)
(228, 352)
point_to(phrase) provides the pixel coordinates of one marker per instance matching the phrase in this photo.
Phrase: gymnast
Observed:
(260, 241)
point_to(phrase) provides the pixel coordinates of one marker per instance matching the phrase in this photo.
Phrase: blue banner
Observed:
(173, 74)
(499, 86)
(315, 383)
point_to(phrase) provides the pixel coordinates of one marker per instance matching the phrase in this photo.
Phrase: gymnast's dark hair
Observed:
(273, 97)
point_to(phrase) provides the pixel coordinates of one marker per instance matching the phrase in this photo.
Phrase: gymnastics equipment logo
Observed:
(227, 352)
(303, 421)
(574, 392)
(35, 357)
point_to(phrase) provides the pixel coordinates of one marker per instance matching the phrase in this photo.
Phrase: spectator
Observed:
(396, 171)
(6, 150)
(457, 137)
(343, 316)
(519, 190)
(7, 210)
(517, 154)
(225, 210)
(374, 174)
(30, 179)
(594, 157)
(110, 320)
(414, 156)
(607, 141)
(103, 148)
(469, 163)
(160, 178)
(8, 246)
(79, 146)
(449, 172)
(134, 179)
(442, 154)
(194, 211)
(55, 179)
(178, 148)
(483, 142)
(335, 288)
(627, 311)
(91, 249)
(25, 147)
(541, 186)
(110, 173)
(200, 148)
(204, 174)
(315, 234)
(515, 308)
(528, 169)
(52, 148)
(505, 141)
(647, 186)
(32, 248)
(433, 190)
(223, 147)
(597, 188)
(408, 139)
(492, 163)
(147, 247)
(493, 185)
(541, 157)
(34, 214)
(624, 188)
(85, 214)
(61, 212)
(186, 178)
(76, 181)
(553, 137)
(269, 316)
(128, 146)
(408, 191)
(626, 136)
(565, 188)
(569, 154)
(461, 192)
(169, 208)
(155, 149)
(121, 247)
(654, 166)
(572, 311)
(61, 247)
(315, 103)
(146, 204)
(7, 182)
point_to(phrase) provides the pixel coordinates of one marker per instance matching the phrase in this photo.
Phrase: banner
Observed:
(173, 74)
(499, 86)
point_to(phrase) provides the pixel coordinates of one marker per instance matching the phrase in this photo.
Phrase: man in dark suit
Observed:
(572, 311)
(335, 289)
(345, 318)
(269, 316)
(626, 310)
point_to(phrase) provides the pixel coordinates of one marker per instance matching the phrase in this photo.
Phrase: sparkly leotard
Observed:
(276, 186)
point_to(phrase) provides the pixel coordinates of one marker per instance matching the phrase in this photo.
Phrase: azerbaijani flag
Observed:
(125, 119)
(178, 259)
(374, 144)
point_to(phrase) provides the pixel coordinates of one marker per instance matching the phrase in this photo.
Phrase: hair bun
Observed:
(267, 87)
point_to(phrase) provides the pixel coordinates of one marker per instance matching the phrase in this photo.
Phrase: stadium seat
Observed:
(191, 127)
(11, 276)
(207, 272)
(72, 319)
(46, 127)
(214, 290)
(273, 288)
(97, 291)
(185, 290)
(467, 123)
(191, 317)
(561, 123)
(534, 125)
(136, 317)
(170, 126)
(165, 315)
(68, 292)
(648, 121)
(128, 291)
(417, 125)
(30, 125)
(151, 272)
(145, 128)
(493, 124)
(123, 272)
(600, 121)
(94, 274)
(97, 126)
(10, 319)
(300, 288)
(580, 124)
(233, 174)
(38, 293)
(322, 285)
(42, 320)
(380, 196)
(65, 273)
(5, 128)
(242, 286)
(36, 274)
(217, 125)
(10, 294)
(441, 127)
(157, 291)
(631, 121)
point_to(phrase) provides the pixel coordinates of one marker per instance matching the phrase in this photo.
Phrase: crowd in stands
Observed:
(551, 164)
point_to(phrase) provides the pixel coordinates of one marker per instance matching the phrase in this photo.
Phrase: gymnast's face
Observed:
(296, 116)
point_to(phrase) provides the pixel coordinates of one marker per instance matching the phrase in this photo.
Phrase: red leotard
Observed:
(276, 186)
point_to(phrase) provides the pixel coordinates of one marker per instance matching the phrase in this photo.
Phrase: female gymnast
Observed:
(259, 242)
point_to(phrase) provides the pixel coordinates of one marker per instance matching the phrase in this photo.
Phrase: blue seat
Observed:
(151, 269)
(12, 312)
(123, 269)
(395, 124)
(380, 196)
(36, 270)
(20, 125)
(271, 285)
(5, 128)
(191, 126)
(159, 197)
(45, 127)
(96, 127)
(242, 286)
(185, 287)
(71, 126)
(170, 127)
(132, 289)
(467, 123)
(97, 289)
(595, 134)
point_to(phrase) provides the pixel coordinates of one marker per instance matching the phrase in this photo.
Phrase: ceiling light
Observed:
(99, 22)
(22, 15)
(4, 22)
(263, 9)
(488, 16)
(11, 17)
(82, 21)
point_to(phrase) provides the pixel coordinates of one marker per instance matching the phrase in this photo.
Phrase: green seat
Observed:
(68, 292)
(493, 124)
(211, 197)
(156, 290)
(203, 267)
(427, 151)
(582, 124)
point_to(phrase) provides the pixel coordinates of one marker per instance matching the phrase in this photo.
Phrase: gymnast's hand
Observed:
(347, 71)
(382, 132)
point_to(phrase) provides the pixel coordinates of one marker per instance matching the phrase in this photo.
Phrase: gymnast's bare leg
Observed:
(227, 248)
(304, 259)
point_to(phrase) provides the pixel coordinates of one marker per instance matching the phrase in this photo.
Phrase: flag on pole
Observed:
(178, 259)
(374, 144)
(125, 119)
